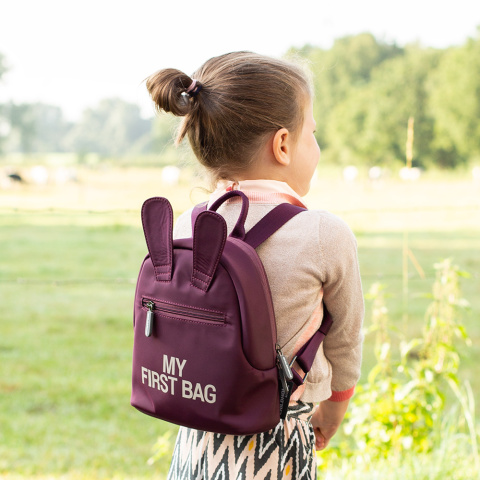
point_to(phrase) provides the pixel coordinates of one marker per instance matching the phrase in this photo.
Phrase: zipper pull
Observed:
(283, 380)
(286, 377)
(149, 323)
(287, 371)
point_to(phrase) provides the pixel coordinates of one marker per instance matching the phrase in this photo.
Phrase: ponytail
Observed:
(169, 90)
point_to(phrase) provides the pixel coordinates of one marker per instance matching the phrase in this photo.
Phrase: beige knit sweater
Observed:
(310, 261)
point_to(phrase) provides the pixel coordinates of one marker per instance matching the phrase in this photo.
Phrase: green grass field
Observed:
(69, 258)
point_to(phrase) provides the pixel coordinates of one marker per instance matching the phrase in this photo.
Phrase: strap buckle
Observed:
(296, 375)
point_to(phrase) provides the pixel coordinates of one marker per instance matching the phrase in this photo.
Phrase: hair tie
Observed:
(194, 88)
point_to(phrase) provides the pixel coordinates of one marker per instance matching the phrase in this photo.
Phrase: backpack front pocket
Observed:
(180, 312)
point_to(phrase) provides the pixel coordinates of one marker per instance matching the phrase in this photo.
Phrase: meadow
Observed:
(70, 254)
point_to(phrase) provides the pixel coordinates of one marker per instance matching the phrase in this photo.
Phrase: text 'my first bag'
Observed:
(205, 354)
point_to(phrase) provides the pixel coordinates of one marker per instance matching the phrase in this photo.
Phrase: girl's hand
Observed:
(326, 420)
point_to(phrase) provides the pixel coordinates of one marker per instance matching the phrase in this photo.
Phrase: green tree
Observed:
(346, 66)
(114, 127)
(3, 65)
(23, 128)
(455, 103)
(36, 128)
(369, 124)
(4, 123)
(366, 90)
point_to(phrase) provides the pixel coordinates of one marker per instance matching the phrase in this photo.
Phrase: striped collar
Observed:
(260, 191)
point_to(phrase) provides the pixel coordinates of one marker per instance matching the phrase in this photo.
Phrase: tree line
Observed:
(365, 92)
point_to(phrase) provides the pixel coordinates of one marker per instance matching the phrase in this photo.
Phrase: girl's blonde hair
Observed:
(240, 98)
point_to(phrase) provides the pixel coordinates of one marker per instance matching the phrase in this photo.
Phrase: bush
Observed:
(399, 413)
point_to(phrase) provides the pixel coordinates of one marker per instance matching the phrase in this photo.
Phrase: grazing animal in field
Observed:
(15, 177)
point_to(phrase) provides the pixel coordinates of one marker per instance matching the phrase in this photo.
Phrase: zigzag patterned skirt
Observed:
(285, 453)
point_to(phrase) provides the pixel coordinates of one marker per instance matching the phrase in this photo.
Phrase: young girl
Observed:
(249, 121)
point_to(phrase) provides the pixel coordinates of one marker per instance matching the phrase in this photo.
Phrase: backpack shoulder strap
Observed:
(306, 355)
(271, 222)
(266, 227)
(262, 230)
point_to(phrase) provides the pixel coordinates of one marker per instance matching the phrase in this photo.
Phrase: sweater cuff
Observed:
(343, 395)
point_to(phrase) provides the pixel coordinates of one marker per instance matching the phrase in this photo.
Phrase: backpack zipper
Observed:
(283, 364)
(284, 369)
(178, 311)
(149, 322)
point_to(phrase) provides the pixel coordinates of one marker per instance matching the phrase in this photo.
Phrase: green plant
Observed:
(402, 404)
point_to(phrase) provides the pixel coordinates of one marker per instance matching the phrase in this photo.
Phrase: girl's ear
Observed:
(282, 146)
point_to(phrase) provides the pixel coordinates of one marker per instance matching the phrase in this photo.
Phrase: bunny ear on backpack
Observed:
(157, 221)
(209, 236)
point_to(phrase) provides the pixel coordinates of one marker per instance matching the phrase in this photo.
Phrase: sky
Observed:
(74, 53)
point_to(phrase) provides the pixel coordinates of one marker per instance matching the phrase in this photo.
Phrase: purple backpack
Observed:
(205, 354)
